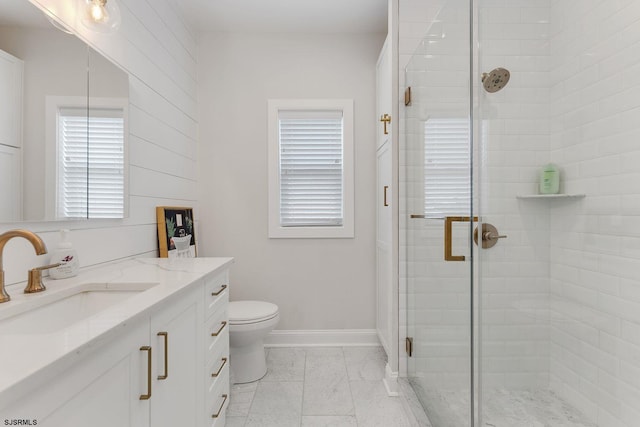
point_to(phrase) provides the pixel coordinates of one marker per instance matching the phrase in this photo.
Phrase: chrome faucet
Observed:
(35, 240)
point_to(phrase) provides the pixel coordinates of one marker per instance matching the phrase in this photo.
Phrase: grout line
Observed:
(346, 370)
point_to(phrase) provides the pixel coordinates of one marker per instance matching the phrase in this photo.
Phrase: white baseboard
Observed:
(391, 381)
(322, 338)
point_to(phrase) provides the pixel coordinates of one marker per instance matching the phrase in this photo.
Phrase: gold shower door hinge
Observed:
(408, 345)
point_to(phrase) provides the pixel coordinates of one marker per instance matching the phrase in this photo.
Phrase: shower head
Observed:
(496, 79)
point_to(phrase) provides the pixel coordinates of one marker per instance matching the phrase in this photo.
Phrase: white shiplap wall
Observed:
(158, 51)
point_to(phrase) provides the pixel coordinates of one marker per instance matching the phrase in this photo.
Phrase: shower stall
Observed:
(538, 323)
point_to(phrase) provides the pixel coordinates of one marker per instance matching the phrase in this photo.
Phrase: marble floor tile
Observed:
(374, 408)
(412, 407)
(240, 399)
(500, 408)
(365, 363)
(272, 420)
(329, 421)
(283, 399)
(285, 364)
(325, 363)
(235, 421)
(317, 387)
(327, 396)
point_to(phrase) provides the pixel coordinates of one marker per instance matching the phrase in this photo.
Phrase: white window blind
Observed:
(311, 168)
(90, 177)
(447, 187)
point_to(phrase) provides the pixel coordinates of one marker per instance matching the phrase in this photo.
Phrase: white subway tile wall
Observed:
(560, 297)
(512, 144)
(439, 306)
(594, 81)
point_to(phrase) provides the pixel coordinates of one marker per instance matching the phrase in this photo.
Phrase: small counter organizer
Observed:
(142, 342)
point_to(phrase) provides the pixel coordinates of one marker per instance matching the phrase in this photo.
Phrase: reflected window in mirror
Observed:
(90, 176)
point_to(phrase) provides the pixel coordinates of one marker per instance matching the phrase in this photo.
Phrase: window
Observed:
(311, 168)
(447, 189)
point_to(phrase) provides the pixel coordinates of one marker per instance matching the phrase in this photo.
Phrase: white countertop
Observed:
(27, 359)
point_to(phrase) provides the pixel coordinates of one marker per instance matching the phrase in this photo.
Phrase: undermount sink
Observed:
(55, 312)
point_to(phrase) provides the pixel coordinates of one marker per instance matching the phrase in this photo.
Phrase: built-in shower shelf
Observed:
(550, 196)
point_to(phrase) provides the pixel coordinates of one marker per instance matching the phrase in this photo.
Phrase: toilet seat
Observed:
(248, 312)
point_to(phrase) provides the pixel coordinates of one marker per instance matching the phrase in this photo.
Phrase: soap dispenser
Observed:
(549, 179)
(66, 256)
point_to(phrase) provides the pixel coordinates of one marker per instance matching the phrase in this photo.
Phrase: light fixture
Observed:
(102, 16)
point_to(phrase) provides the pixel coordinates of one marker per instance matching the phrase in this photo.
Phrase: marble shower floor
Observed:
(502, 408)
(319, 387)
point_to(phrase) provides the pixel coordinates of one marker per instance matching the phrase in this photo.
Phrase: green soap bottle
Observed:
(549, 179)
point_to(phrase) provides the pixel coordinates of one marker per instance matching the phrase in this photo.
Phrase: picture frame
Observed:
(176, 232)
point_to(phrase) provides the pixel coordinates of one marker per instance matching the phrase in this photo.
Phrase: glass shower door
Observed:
(437, 219)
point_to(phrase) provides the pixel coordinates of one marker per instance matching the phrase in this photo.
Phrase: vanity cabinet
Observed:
(101, 389)
(166, 367)
(216, 349)
(174, 339)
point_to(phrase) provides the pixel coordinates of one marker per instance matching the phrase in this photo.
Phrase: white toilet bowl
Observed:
(249, 324)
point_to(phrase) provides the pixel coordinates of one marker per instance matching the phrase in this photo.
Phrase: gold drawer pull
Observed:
(448, 234)
(215, 334)
(217, 414)
(166, 355)
(224, 362)
(148, 350)
(222, 288)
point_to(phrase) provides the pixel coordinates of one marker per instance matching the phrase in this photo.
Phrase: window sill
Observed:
(343, 232)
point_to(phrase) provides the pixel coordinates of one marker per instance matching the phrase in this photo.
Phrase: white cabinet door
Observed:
(175, 331)
(384, 285)
(384, 187)
(384, 95)
(11, 179)
(11, 71)
(101, 390)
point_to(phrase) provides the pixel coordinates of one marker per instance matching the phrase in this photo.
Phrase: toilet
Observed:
(249, 324)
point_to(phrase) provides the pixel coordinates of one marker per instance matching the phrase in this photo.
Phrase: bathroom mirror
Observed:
(63, 123)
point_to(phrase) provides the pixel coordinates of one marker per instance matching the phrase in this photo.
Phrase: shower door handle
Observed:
(448, 234)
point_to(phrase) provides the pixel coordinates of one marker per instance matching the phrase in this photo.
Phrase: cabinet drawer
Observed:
(216, 290)
(217, 399)
(217, 332)
(216, 365)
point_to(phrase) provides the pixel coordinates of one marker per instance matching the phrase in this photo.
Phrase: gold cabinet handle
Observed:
(148, 350)
(385, 119)
(216, 373)
(386, 203)
(448, 232)
(217, 414)
(215, 334)
(166, 355)
(222, 288)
